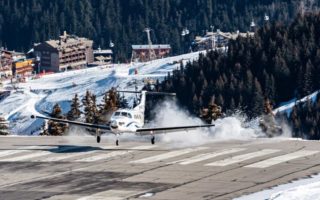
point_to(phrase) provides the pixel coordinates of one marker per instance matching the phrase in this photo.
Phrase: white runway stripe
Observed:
(243, 157)
(113, 154)
(62, 156)
(111, 195)
(31, 154)
(168, 155)
(281, 159)
(11, 152)
(55, 158)
(206, 156)
(21, 150)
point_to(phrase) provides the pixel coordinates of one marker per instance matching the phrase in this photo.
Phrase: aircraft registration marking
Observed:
(243, 157)
(280, 159)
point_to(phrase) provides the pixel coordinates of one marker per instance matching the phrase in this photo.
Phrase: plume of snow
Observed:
(169, 114)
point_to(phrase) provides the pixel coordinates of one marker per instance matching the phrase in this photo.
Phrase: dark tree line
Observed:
(279, 63)
(305, 119)
(92, 113)
(24, 22)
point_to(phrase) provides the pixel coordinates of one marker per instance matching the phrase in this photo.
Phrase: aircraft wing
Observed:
(88, 125)
(160, 130)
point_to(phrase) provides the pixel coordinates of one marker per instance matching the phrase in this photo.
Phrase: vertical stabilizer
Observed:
(142, 105)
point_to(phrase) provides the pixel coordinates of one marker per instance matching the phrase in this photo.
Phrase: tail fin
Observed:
(141, 106)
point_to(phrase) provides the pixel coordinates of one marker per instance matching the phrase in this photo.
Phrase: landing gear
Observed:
(117, 142)
(98, 135)
(153, 140)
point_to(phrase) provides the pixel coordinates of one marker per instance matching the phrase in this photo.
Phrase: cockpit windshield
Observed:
(123, 114)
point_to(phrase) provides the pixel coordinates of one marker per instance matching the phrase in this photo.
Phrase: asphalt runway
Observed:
(65, 168)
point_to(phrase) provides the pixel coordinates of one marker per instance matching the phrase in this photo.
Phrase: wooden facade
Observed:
(141, 53)
(69, 52)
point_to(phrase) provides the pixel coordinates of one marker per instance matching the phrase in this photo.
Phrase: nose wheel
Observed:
(98, 134)
(153, 140)
(117, 142)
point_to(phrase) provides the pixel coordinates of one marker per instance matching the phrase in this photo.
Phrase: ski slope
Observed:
(38, 96)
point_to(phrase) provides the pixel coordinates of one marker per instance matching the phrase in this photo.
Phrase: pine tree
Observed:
(257, 99)
(4, 126)
(56, 128)
(308, 79)
(74, 112)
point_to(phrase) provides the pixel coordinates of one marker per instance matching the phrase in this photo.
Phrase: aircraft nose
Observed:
(114, 124)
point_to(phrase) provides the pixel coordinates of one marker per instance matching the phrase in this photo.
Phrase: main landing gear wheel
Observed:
(98, 138)
(153, 140)
(117, 142)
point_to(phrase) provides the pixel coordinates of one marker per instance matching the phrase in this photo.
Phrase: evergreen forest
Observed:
(279, 63)
(25, 22)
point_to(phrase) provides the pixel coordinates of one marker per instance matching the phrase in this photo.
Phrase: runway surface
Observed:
(65, 168)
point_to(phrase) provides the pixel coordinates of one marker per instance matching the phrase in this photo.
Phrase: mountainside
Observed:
(39, 96)
(279, 63)
(24, 22)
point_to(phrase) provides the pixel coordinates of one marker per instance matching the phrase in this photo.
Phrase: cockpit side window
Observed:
(129, 115)
(117, 114)
(124, 114)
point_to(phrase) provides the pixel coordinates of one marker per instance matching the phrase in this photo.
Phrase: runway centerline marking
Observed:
(167, 155)
(206, 156)
(243, 157)
(280, 159)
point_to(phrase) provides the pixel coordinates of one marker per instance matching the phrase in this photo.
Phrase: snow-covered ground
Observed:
(304, 189)
(287, 106)
(38, 96)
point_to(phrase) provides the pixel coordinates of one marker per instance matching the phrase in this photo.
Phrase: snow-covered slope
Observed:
(287, 106)
(39, 96)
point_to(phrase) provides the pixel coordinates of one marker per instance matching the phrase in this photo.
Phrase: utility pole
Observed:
(212, 37)
(152, 54)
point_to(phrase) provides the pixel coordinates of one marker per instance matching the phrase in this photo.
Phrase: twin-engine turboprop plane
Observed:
(129, 121)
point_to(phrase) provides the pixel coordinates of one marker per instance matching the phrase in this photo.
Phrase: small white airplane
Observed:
(129, 121)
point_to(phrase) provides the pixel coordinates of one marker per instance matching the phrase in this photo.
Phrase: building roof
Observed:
(102, 51)
(67, 41)
(154, 46)
(228, 35)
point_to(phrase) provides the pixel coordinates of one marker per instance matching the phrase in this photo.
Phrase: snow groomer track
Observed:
(78, 168)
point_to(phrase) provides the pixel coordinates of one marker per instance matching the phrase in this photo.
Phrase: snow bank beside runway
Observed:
(304, 189)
